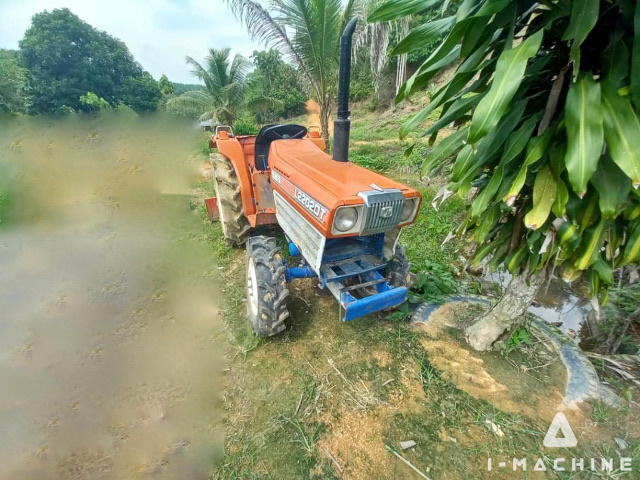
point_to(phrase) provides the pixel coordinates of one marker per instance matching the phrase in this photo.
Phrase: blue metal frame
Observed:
(344, 259)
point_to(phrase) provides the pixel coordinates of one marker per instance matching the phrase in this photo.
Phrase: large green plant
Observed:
(308, 33)
(546, 96)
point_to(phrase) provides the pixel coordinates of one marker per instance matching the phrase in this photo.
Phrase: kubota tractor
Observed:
(343, 220)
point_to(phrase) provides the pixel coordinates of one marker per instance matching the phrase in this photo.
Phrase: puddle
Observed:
(558, 304)
(108, 310)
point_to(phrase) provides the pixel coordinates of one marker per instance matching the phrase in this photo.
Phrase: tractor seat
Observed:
(268, 134)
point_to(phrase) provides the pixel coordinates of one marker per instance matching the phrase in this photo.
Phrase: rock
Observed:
(476, 270)
(494, 428)
(622, 444)
(407, 444)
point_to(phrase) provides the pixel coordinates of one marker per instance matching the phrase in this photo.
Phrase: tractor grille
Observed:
(382, 210)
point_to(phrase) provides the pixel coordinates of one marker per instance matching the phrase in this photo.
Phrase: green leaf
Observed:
(613, 187)
(515, 259)
(426, 72)
(463, 162)
(446, 53)
(562, 197)
(394, 9)
(457, 109)
(590, 246)
(632, 250)
(487, 221)
(583, 118)
(584, 15)
(518, 140)
(481, 202)
(509, 74)
(604, 270)
(492, 6)
(445, 93)
(535, 150)
(544, 194)
(622, 132)
(635, 58)
(614, 70)
(568, 234)
(473, 35)
(422, 35)
(444, 150)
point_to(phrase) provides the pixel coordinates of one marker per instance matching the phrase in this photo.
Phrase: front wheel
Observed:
(399, 268)
(267, 291)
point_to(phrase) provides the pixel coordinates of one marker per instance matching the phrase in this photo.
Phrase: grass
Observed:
(325, 389)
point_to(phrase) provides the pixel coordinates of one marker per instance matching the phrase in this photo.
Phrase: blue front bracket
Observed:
(375, 292)
(374, 303)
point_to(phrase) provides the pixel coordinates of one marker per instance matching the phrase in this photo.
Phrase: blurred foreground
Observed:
(108, 302)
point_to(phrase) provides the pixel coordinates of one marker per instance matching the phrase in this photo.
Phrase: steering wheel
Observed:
(288, 131)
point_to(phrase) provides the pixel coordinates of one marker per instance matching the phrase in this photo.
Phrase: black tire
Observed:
(235, 226)
(267, 291)
(399, 268)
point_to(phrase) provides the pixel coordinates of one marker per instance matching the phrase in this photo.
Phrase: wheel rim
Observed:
(252, 288)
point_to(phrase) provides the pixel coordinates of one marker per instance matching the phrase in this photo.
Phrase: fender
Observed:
(232, 149)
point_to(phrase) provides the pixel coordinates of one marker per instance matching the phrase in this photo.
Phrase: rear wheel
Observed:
(235, 226)
(267, 291)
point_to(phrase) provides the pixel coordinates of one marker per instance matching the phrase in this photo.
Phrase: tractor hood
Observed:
(315, 172)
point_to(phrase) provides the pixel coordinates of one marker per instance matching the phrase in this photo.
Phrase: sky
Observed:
(159, 33)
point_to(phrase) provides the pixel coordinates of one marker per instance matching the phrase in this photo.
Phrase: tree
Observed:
(93, 102)
(225, 93)
(66, 57)
(12, 83)
(546, 96)
(166, 87)
(314, 43)
(140, 93)
(273, 77)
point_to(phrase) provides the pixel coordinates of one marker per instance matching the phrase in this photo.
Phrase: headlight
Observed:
(409, 210)
(345, 219)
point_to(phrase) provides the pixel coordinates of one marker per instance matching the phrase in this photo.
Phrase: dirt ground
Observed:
(109, 362)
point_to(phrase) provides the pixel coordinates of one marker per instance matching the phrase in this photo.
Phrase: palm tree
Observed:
(314, 42)
(226, 87)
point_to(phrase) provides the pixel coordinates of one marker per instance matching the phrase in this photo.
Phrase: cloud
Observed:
(159, 34)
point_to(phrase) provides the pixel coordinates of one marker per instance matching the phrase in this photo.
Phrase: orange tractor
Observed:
(342, 220)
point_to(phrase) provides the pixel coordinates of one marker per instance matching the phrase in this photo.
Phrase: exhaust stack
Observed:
(342, 125)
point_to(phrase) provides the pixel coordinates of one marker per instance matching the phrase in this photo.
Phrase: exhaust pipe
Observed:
(342, 125)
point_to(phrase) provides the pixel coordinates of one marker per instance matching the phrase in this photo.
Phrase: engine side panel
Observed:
(300, 231)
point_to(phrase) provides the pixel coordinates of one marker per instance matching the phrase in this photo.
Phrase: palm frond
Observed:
(239, 68)
(263, 28)
(263, 103)
(191, 103)
(209, 78)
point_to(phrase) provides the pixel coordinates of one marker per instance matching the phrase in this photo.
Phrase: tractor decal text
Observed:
(307, 201)
(316, 209)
